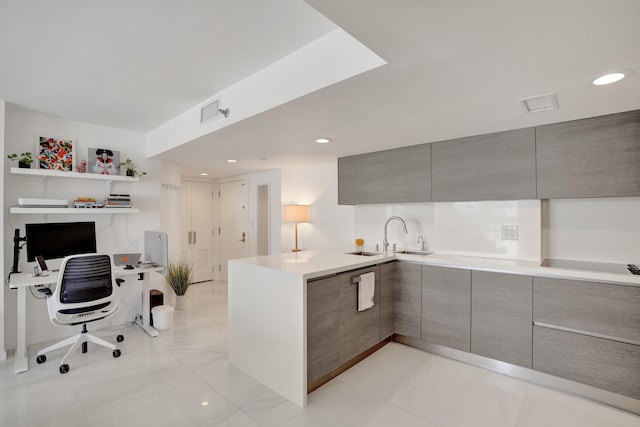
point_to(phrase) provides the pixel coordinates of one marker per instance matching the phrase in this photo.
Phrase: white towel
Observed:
(366, 291)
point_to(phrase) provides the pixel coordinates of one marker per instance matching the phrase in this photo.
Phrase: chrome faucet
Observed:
(423, 246)
(385, 242)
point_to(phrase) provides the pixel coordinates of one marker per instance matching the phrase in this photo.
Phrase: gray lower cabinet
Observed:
(498, 166)
(408, 299)
(387, 298)
(359, 330)
(602, 363)
(446, 307)
(323, 326)
(336, 331)
(588, 332)
(595, 157)
(599, 308)
(501, 317)
(400, 175)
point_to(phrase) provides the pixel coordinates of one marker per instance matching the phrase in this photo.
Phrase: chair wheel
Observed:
(116, 353)
(120, 338)
(64, 368)
(41, 359)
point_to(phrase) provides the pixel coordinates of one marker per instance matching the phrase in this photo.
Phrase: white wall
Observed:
(115, 233)
(3, 270)
(469, 228)
(605, 230)
(331, 225)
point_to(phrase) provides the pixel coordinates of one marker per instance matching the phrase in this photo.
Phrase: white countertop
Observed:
(322, 262)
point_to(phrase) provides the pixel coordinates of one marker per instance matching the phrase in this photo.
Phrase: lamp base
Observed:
(296, 250)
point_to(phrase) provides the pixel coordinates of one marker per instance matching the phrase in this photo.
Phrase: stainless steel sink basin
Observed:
(410, 252)
(363, 253)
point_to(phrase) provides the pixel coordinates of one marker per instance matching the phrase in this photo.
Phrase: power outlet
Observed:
(509, 232)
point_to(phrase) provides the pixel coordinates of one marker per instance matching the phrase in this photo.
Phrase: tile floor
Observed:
(164, 381)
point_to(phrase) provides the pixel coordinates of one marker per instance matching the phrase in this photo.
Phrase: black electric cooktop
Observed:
(603, 267)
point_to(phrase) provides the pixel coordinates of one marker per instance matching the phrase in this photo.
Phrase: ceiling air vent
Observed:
(539, 103)
(210, 112)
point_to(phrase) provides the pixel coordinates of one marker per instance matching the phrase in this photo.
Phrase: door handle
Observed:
(243, 237)
(194, 237)
(189, 238)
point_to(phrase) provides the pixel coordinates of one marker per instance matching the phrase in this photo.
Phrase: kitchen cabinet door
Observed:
(408, 299)
(323, 343)
(387, 291)
(591, 307)
(401, 175)
(446, 307)
(595, 157)
(359, 330)
(498, 166)
(501, 317)
(602, 363)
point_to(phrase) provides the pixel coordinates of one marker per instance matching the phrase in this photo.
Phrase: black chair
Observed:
(86, 291)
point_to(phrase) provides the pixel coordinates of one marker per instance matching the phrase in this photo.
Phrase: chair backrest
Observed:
(86, 290)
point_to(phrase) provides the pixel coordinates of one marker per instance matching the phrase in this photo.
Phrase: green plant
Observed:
(132, 169)
(24, 158)
(179, 276)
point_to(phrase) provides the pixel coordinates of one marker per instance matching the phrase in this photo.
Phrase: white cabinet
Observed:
(197, 228)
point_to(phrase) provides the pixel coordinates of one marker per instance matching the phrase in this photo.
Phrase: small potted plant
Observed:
(24, 159)
(131, 168)
(179, 277)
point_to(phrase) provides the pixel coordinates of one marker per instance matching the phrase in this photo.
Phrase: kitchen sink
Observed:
(409, 252)
(364, 253)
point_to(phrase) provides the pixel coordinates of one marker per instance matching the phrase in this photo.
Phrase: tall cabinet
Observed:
(196, 237)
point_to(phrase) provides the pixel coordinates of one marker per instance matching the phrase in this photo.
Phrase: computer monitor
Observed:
(59, 239)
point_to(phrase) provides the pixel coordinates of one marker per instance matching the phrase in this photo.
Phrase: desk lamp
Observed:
(296, 214)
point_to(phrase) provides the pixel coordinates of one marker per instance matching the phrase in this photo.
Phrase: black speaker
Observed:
(156, 298)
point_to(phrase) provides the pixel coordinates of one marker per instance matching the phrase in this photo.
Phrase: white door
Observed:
(197, 228)
(233, 223)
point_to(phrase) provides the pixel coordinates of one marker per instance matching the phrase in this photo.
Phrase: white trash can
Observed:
(162, 317)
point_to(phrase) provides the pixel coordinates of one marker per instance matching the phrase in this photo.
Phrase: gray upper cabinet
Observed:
(596, 157)
(446, 307)
(499, 166)
(501, 317)
(400, 175)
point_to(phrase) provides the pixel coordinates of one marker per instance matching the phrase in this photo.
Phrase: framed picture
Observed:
(55, 154)
(104, 161)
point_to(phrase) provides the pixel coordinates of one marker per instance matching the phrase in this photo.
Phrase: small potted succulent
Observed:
(24, 159)
(131, 168)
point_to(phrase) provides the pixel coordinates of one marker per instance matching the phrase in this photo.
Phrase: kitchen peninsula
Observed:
(269, 321)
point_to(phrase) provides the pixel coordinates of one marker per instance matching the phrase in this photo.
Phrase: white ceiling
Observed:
(454, 68)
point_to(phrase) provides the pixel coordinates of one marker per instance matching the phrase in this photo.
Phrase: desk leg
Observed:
(21, 358)
(144, 324)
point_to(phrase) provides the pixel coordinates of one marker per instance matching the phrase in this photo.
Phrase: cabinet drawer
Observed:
(612, 310)
(602, 363)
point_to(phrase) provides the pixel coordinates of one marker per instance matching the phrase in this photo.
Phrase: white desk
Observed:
(22, 281)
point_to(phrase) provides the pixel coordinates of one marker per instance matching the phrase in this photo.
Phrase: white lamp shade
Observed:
(296, 213)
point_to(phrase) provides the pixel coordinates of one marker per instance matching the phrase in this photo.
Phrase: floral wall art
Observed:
(55, 154)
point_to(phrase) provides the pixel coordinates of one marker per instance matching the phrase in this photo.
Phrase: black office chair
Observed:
(86, 291)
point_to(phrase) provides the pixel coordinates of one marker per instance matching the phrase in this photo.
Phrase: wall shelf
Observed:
(92, 211)
(45, 173)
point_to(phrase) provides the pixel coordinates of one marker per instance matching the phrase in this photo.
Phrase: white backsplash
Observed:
(468, 228)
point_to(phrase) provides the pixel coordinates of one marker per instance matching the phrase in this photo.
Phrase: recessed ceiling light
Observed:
(608, 78)
(232, 161)
(323, 140)
(204, 174)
